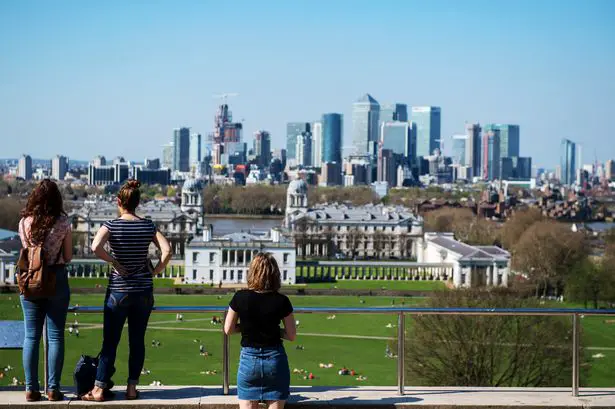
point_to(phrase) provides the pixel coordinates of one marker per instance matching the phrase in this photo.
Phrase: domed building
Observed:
(192, 199)
(296, 200)
(343, 230)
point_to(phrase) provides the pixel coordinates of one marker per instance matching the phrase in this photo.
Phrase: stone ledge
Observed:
(198, 397)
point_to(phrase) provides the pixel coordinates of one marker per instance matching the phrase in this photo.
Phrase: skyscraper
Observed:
(491, 155)
(99, 161)
(459, 150)
(522, 167)
(428, 122)
(24, 168)
(167, 155)
(568, 163)
(365, 124)
(474, 148)
(304, 149)
(396, 136)
(332, 138)
(388, 162)
(509, 138)
(393, 112)
(59, 167)
(609, 170)
(181, 149)
(195, 150)
(262, 148)
(293, 129)
(317, 144)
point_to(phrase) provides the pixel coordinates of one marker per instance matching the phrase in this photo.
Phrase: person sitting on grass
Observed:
(263, 373)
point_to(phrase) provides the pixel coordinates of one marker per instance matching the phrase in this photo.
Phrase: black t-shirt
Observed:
(259, 317)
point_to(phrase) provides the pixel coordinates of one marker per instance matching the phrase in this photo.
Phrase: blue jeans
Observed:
(136, 307)
(263, 374)
(35, 312)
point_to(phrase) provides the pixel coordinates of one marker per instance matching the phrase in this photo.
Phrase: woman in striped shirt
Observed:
(130, 291)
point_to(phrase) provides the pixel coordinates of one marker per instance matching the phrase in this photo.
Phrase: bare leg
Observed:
(276, 404)
(248, 404)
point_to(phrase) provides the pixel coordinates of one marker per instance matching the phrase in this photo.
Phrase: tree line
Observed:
(549, 257)
(271, 200)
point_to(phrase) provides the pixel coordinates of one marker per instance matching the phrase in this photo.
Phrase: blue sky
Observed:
(115, 77)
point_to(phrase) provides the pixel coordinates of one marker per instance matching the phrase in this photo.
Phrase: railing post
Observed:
(225, 361)
(401, 338)
(576, 341)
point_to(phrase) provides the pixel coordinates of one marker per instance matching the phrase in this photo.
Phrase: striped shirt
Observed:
(129, 241)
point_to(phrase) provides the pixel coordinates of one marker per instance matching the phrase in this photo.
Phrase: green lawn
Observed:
(343, 341)
(93, 282)
(380, 285)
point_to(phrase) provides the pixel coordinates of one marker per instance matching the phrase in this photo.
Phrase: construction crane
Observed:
(225, 96)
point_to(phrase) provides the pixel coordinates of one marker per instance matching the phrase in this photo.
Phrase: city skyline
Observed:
(60, 95)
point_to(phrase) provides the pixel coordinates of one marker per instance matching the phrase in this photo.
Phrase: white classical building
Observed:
(376, 231)
(473, 266)
(9, 253)
(225, 259)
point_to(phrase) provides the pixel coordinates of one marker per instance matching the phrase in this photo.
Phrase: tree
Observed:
(496, 351)
(517, 224)
(10, 209)
(546, 251)
(300, 234)
(330, 242)
(354, 238)
(590, 281)
(462, 222)
(379, 240)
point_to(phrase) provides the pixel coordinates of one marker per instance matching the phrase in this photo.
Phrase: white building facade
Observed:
(376, 231)
(226, 259)
(473, 266)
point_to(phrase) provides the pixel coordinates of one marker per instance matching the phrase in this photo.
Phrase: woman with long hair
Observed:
(130, 290)
(256, 313)
(44, 223)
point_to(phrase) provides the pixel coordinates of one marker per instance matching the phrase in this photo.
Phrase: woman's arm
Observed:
(165, 249)
(67, 247)
(98, 247)
(230, 322)
(290, 328)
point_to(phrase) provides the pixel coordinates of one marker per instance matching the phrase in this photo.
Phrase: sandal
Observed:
(89, 397)
(130, 397)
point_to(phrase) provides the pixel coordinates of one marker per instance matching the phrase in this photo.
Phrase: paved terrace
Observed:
(197, 397)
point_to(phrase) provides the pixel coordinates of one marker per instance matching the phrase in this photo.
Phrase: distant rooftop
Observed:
(244, 239)
(468, 252)
(367, 98)
(368, 214)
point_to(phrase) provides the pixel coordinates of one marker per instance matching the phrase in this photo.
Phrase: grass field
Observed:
(354, 341)
(401, 285)
(380, 285)
(102, 282)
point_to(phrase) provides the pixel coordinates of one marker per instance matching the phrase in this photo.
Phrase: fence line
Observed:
(401, 313)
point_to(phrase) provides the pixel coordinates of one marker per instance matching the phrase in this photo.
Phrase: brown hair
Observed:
(44, 205)
(264, 273)
(129, 195)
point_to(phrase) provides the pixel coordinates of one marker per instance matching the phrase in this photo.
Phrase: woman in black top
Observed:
(263, 373)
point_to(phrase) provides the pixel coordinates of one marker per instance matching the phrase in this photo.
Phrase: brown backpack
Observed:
(35, 277)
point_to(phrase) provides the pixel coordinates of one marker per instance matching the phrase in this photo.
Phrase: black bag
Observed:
(85, 374)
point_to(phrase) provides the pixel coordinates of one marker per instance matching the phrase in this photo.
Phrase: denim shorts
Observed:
(263, 374)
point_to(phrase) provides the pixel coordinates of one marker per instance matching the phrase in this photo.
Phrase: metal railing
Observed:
(401, 335)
